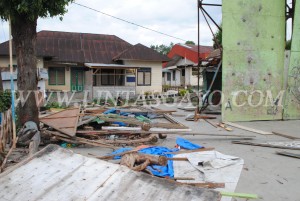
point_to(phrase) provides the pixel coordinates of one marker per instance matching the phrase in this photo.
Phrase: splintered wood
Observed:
(139, 162)
(6, 138)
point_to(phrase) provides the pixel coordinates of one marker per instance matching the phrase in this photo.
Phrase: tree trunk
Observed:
(24, 38)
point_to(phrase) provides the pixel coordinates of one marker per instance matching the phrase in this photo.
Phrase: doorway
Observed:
(77, 80)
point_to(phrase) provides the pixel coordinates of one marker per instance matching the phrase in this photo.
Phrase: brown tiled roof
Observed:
(174, 60)
(89, 48)
(141, 52)
(215, 54)
(203, 48)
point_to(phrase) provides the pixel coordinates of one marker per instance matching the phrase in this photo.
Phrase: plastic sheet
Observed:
(183, 143)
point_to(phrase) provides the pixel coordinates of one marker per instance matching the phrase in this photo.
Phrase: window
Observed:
(195, 71)
(109, 77)
(56, 76)
(174, 74)
(144, 77)
(168, 76)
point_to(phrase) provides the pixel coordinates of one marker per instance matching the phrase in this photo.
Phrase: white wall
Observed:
(189, 78)
(4, 62)
(156, 75)
(172, 82)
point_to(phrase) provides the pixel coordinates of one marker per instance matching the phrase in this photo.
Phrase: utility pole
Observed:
(198, 81)
(12, 86)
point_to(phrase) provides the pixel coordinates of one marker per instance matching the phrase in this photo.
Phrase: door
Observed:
(77, 80)
(182, 77)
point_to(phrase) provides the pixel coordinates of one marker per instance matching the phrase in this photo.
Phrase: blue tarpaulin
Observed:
(183, 143)
(157, 170)
(114, 111)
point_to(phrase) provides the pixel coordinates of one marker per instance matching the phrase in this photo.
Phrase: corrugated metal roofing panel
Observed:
(59, 174)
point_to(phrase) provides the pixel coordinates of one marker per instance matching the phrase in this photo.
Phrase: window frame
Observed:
(144, 71)
(168, 76)
(114, 74)
(56, 69)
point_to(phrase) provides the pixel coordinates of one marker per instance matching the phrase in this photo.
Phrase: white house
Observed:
(95, 64)
(182, 70)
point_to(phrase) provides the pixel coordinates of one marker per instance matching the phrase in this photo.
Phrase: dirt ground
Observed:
(273, 177)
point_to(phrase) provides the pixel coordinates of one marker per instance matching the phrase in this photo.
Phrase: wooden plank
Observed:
(212, 124)
(178, 159)
(284, 153)
(248, 129)
(78, 140)
(285, 135)
(152, 130)
(167, 131)
(224, 126)
(67, 118)
(183, 178)
(265, 145)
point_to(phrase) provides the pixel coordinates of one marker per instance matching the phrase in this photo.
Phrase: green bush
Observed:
(190, 90)
(182, 92)
(54, 105)
(5, 100)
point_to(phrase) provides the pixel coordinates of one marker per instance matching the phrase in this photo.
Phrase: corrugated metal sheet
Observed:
(59, 174)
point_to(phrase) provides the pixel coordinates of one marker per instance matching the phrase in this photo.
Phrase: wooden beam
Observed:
(265, 145)
(248, 129)
(284, 153)
(285, 135)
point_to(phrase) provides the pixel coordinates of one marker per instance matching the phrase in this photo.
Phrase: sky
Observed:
(177, 18)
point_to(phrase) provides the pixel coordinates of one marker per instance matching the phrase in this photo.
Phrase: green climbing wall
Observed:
(253, 59)
(292, 101)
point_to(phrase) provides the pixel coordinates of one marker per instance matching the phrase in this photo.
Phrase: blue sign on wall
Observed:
(130, 79)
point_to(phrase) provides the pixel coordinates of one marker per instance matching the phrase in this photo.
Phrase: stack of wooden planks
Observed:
(68, 125)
